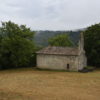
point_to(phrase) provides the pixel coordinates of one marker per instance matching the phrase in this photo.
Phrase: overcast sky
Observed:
(51, 14)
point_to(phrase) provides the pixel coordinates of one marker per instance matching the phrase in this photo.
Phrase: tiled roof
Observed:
(59, 51)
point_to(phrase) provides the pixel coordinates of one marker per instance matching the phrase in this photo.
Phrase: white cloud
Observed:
(51, 14)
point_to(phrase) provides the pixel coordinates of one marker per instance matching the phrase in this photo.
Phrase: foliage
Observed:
(16, 45)
(60, 40)
(41, 37)
(92, 44)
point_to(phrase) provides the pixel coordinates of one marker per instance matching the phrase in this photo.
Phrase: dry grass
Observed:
(30, 84)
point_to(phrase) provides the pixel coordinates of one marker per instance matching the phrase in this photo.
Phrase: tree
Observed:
(16, 45)
(92, 44)
(60, 40)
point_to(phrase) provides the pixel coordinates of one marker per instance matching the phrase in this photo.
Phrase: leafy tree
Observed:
(92, 44)
(41, 38)
(60, 40)
(16, 45)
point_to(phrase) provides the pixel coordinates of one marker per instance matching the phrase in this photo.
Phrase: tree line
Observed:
(18, 49)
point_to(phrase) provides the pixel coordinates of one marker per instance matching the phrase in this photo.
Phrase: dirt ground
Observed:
(32, 84)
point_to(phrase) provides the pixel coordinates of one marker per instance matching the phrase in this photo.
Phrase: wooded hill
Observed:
(41, 37)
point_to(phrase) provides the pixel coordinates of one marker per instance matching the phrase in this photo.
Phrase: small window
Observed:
(67, 66)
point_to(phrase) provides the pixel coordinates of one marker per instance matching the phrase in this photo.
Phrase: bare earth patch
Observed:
(31, 84)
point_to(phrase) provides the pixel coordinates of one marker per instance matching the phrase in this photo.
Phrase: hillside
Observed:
(41, 37)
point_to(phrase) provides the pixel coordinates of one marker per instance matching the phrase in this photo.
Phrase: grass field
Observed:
(32, 84)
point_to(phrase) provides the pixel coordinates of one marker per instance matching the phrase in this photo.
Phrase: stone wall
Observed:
(57, 62)
(82, 61)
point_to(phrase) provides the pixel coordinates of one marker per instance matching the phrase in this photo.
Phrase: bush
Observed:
(87, 69)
